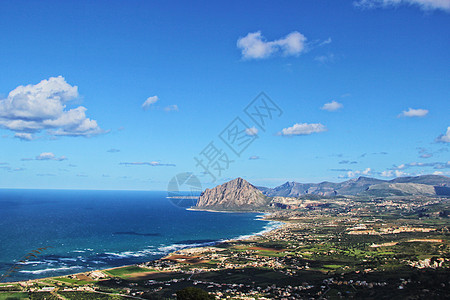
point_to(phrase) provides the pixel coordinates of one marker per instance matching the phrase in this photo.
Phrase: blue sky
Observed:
(126, 94)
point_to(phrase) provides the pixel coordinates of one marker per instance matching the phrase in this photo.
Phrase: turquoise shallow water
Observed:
(85, 230)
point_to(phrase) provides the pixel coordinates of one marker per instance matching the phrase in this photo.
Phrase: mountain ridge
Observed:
(352, 186)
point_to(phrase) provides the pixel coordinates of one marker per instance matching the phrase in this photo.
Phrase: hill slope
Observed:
(235, 194)
(400, 189)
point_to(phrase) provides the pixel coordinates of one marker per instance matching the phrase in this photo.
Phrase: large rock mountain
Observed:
(397, 186)
(235, 194)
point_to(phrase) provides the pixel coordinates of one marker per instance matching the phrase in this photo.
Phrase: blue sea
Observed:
(75, 231)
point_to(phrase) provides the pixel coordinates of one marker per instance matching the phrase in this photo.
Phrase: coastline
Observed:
(226, 211)
(263, 216)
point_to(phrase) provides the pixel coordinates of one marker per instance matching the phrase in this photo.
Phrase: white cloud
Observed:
(438, 173)
(393, 173)
(332, 106)
(422, 4)
(252, 131)
(172, 107)
(49, 156)
(323, 59)
(416, 164)
(388, 173)
(24, 136)
(435, 165)
(153, 164)
(255, 46)
(444, 138)
(28, 110)
(351, 174)
(150, 100)
(254, 157)
(366, 171)
(411, 112)
(303, 129)
(326, 42)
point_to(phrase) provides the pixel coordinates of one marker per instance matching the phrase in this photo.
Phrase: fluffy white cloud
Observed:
(150, 100)
(351, 174)
(423, 4)
(411, 112)
(255, 46)
(252, 131)
(444, 138)
(24, 136)
(393, 173)
(332, 106)
(303, 129)
(30, 109)
(49, 156)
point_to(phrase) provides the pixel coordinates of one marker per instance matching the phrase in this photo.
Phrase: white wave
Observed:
(82, 251)
(271, 225)
(68, 259)
(127, 254)
(176, 247)
(30, 263)
(50, 270)
(50, 261)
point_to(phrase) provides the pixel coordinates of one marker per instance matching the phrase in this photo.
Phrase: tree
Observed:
(193, 293)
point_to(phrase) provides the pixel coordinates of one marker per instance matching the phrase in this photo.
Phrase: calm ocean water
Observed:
(86, 230)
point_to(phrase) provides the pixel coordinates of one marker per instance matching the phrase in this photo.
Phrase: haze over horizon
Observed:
(102, 95)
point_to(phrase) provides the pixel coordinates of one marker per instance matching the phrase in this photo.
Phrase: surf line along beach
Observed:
(158, 268)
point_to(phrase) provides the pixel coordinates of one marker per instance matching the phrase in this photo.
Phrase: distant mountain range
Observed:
(425, 184)
(239, 194)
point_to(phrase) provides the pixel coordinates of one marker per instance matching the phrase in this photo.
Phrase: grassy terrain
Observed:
(126, 272)
(88, 296)
(10, 296)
